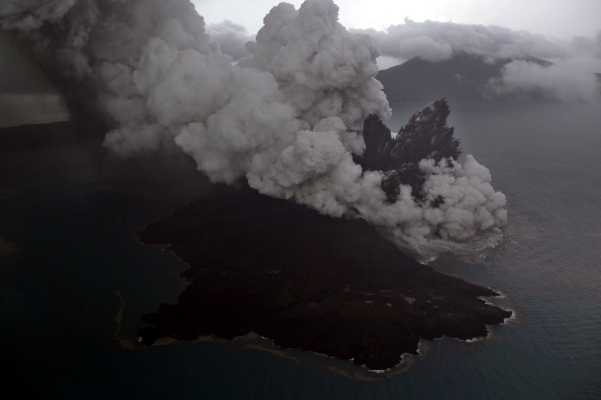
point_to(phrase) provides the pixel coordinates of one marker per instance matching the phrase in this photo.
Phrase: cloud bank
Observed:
(569, 77)
(287, 119)
(570, 80)
(438, 41)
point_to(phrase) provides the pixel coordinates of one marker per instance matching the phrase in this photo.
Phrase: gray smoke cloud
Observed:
(438, 41)
(32, 14)
(287, 118)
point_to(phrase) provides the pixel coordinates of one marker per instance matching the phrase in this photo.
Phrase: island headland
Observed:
(307, 281)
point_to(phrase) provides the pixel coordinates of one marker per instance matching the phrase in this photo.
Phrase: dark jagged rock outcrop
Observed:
(306, 281)
(426, 136)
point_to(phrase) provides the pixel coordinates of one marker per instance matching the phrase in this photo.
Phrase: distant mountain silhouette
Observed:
(464, 77)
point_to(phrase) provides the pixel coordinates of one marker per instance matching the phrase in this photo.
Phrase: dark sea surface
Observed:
(73, 211)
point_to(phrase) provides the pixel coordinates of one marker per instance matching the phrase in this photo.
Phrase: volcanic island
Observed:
(310, 282)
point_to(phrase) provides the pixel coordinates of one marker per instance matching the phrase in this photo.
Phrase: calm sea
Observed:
(73, 213)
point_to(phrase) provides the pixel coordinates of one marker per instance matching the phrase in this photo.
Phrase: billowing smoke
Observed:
(587, 47)
(438, 41)
(287, 119)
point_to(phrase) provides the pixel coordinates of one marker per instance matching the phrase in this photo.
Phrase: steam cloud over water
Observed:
(437, 41)
(572, 78)
(558, 70)
(287, 117)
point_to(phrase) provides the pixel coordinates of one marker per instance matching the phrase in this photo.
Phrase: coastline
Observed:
(324, 362)
(346, 368)
(245, 276)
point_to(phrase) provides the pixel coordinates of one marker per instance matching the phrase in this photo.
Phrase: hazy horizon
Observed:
(430, 41)
(555, 18)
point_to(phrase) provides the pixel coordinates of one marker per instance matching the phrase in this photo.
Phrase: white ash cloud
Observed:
(385, 62)
(287, 118)
(438, 41)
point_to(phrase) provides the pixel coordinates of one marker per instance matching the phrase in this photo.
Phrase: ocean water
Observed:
(75, 230)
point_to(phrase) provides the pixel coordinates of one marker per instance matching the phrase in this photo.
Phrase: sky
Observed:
(554, 18)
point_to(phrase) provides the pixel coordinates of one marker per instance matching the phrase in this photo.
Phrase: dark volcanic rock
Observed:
(308, 282)
(426, 136)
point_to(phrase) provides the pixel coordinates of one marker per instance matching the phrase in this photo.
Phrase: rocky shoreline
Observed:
(306, 282)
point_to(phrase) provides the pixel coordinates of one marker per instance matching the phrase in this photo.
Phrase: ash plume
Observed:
(287, 119)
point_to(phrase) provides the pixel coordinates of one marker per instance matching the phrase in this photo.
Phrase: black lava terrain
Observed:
(306, 281)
